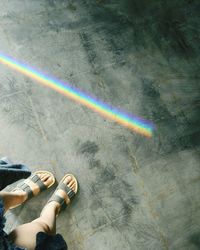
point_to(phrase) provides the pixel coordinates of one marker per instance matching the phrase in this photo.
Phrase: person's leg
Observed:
(11, 199)
(25, 235)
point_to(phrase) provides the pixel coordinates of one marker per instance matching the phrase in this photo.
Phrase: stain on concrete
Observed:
(71, 6)
(149, 232)
(88, 148)
(86, 40)
(107, 175)
(156, 110)
(94, 164)
(154, 106)
(195, 239)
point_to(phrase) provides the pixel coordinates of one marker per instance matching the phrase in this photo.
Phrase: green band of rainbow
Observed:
(134, 123)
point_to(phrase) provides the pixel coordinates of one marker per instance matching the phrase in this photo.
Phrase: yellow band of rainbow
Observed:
(134, 123)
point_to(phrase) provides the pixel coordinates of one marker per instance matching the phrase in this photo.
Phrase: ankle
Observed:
(51, 205)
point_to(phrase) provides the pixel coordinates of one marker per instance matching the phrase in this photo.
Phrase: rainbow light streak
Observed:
(132, 122)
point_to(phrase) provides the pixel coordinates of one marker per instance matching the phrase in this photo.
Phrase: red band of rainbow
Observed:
(134, 123)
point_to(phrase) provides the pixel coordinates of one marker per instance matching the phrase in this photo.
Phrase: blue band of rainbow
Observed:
(134, 123)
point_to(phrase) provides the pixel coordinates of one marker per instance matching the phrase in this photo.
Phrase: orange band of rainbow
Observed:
(134, 123)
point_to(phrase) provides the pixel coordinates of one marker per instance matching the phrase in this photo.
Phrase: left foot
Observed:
(22, 196)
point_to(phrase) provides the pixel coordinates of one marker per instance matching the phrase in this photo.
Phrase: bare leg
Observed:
(25, 235)
(48, 216)
(10, 199)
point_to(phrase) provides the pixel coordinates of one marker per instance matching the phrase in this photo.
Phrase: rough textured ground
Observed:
(141, 56)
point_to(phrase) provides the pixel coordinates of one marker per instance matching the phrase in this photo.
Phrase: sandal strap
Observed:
(26, 188)
(66, 189)
(36, 179)
(59, 199)
(70, 193)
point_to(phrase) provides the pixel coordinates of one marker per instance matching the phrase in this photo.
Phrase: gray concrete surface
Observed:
(135, 193)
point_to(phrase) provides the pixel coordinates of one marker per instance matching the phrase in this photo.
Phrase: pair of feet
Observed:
(47, 179)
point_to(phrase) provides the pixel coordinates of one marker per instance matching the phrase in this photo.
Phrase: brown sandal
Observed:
(23, 186)
(70, 193)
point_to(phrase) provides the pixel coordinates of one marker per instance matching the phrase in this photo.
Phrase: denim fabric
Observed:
(50, 242)
(10, 172)
(5, 243)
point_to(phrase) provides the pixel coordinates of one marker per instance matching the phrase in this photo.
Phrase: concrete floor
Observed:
(135, 193)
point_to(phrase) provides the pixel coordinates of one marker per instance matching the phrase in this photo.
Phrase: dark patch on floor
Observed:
(93, 163)
(165, 26)
(109, 184)
(89, 48)
(195, 240)
(107, 174)
(88, 148)
(156, 110)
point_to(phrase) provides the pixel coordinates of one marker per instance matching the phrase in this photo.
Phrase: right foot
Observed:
(71, 183)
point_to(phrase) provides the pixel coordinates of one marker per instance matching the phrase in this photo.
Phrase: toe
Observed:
(48, 181)
(42, 176)
(46, 176)
(70, 184)
(73, 187)
(69, 179)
